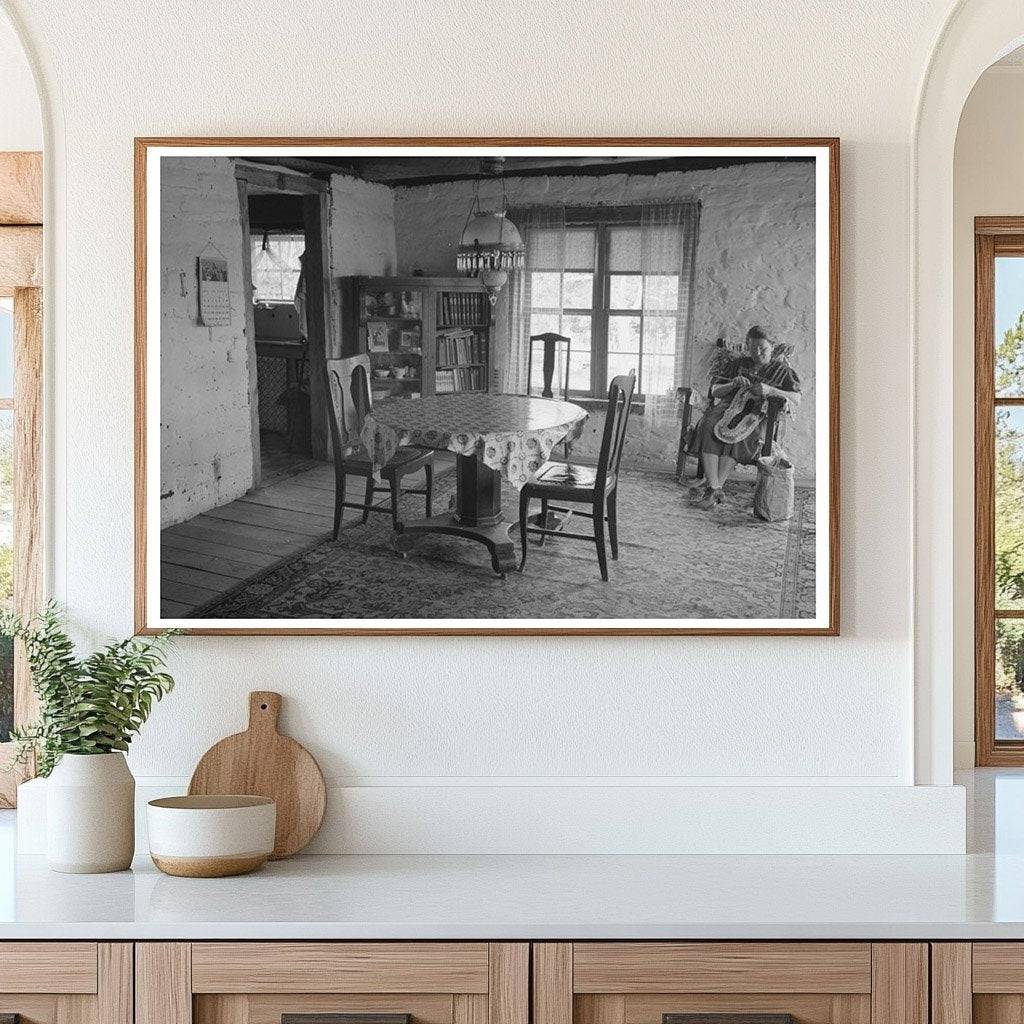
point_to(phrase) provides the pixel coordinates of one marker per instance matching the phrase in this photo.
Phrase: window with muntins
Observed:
(619, 286)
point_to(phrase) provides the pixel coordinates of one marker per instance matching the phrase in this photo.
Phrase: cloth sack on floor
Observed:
(773, 495)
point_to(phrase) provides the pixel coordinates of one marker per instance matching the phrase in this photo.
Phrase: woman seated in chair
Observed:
(731, 430)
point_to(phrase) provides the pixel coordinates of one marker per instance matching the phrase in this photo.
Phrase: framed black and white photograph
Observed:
(488, 386)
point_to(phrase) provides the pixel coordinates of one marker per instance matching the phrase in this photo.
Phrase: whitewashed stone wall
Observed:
(362, 227)
(205, 416)
(362, 237)
(755, 265)
(205, 424)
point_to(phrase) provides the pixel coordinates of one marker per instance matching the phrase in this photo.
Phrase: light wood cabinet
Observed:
(259, 982)
(494, 983)
(66, 982)
(979, 982)
(815, 982)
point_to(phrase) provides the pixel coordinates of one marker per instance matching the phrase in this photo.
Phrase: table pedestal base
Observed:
(477, 515)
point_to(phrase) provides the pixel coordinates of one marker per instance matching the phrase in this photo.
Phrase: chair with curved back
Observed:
(597, 487)
(349, 389)
(551, 342)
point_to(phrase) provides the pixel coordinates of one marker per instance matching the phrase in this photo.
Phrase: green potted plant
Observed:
(89, 710)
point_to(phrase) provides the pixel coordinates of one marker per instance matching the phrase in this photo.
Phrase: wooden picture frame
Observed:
(993, 237)
(303, 152)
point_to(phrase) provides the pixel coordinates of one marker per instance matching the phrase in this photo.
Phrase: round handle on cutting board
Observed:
(264, 710)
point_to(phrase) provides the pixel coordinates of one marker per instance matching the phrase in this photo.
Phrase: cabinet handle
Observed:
(336, 1018)
(728, 1018)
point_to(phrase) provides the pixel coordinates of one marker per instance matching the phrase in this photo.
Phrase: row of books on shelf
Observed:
(461, 347)
(461, 378)
(463, 308)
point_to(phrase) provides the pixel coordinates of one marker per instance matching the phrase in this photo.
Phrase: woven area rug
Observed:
(675, 561)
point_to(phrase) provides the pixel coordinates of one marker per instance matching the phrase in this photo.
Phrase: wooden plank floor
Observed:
(217, 551)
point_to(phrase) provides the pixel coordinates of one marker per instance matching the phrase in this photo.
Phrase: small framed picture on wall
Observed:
(377, 333)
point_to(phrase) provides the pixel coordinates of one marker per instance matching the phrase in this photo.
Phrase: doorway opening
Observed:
(277, 246)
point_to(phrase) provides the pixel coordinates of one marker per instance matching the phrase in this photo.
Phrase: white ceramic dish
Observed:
(211, 836)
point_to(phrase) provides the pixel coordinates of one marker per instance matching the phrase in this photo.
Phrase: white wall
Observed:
(205, 412)
(21, 123)
(988, 181)
(362, 227)
(454, 715)
(754, 265)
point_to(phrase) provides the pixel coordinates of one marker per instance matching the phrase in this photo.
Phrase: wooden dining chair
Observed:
(551, 342)
(349, 389)
(584, 485)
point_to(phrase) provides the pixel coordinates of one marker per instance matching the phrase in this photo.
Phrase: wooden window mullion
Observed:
(984, 501)
(599, 326)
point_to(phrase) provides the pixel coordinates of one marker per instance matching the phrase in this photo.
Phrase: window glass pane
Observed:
(544, 290)
(660, 335)
(6, 567)
(1009, 325)
(1009, 513)
(659, 374)
(619, 363)
(626, 291)
(558, 249)
(661, 291)
(579, 248)
(624, 334)
(578, 329)
(1009, 679)
(544, 248)
(276, 266)
(624, 249)
(6, 348)
(578, 291)
(663, 247)
(544, 323)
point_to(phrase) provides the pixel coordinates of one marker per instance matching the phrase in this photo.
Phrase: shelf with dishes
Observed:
(423, 335)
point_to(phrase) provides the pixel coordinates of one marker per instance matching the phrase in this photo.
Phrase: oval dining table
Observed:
(494, 437)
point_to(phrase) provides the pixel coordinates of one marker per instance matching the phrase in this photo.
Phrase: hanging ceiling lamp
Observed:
(491, 245)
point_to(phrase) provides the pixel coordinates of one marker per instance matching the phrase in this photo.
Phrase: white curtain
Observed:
(543, 231)
(668, 246)
(652, 264)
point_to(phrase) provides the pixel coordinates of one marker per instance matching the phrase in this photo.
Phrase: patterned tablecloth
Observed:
(515, 434)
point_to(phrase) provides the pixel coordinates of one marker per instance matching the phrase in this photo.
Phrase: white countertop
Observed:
(978, 896)
(532, 897)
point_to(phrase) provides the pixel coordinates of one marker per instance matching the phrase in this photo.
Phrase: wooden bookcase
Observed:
(424, 335)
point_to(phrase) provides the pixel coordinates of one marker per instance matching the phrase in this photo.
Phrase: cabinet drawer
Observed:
(630, 967)
(340, 967)
(749, 982)
(66, 982)
(262, 982)
(48, 967)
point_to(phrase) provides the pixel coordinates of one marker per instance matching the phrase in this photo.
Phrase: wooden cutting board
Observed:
(262, 762)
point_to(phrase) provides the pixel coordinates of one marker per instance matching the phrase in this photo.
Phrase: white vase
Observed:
(90, 814)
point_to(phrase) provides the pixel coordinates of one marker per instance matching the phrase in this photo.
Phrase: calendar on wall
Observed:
(214, 300)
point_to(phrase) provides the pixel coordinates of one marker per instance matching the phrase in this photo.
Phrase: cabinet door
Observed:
(66, 982)
(738, 982)
(980, 982)
(314, 982)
